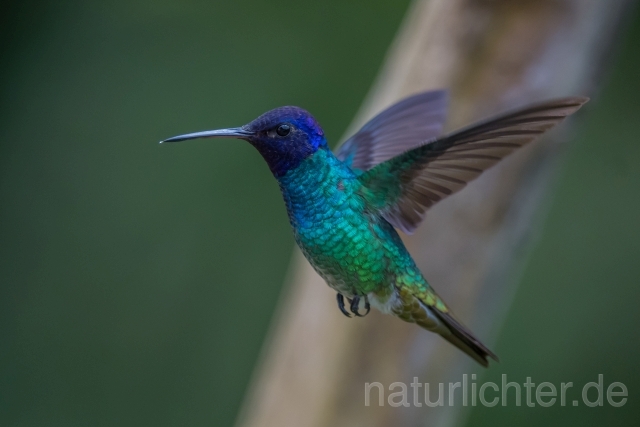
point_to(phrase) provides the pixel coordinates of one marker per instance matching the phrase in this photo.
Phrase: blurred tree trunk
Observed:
(493, 55)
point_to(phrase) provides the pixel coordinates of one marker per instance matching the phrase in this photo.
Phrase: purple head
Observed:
(285, 136)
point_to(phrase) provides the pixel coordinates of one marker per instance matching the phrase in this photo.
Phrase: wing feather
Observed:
(397, 129)
(406, 186)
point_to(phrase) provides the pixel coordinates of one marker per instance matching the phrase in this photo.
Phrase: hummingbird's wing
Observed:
(397, 129)
(403, 188)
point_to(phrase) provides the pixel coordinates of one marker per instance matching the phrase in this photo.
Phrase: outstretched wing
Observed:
(397, 129)
(403, 188)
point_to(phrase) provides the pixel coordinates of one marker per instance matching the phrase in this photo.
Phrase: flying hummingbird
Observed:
(345, 206)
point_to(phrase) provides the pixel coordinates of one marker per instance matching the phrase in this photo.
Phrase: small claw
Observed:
(355, 305)
(341, 305)
(367, 306)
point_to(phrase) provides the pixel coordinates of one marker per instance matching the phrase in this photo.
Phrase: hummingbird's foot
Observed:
(355, 305)
(341, 305)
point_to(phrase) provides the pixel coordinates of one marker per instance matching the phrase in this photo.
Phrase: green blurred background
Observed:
(137, 281)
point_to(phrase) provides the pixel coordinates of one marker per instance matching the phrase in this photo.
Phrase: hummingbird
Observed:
(346, 206)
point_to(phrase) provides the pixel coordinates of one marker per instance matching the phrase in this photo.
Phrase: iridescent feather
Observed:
(343, 208)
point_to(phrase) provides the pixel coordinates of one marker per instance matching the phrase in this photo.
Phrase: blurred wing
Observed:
(403, 188)
(397, 129)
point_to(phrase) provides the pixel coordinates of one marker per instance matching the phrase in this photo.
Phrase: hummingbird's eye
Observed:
(283, 129)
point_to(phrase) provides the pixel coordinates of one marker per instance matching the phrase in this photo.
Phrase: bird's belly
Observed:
(347, 252)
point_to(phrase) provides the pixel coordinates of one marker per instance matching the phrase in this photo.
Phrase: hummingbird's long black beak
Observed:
(219, 133)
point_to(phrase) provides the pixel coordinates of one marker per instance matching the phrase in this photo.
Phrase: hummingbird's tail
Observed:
(424, 307)
(462, 338)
